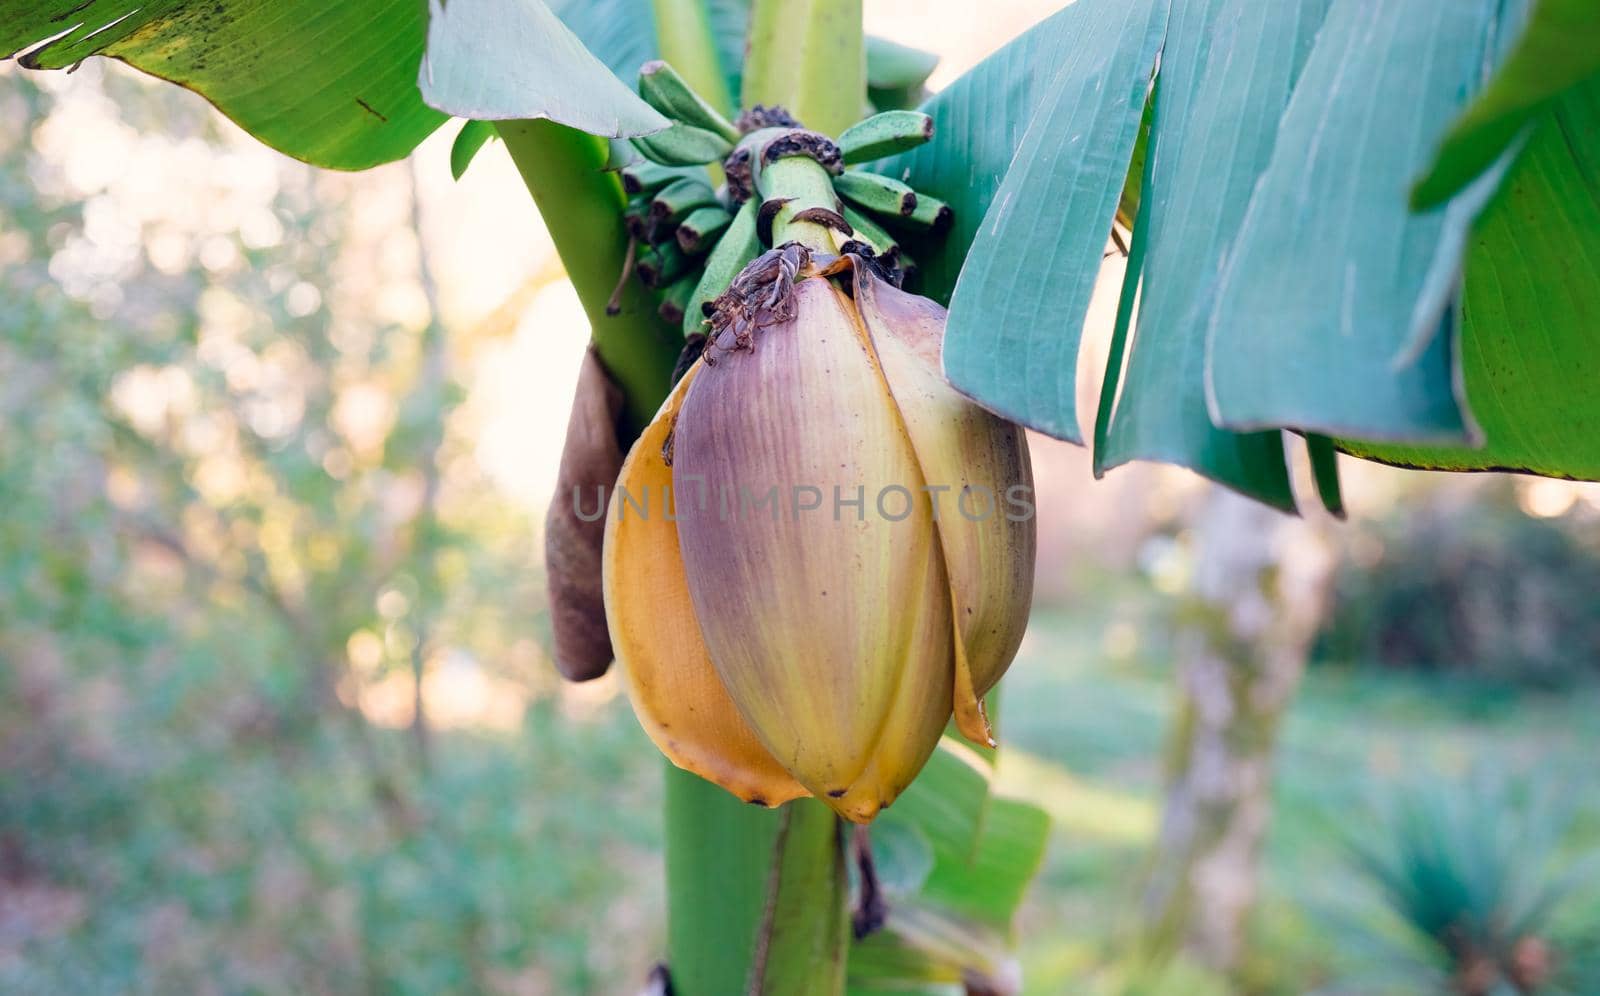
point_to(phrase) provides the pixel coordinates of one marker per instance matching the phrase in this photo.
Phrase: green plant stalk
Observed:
(805, 185)
(803, 945)
(718, 853)
(582, 204)
(810, 57)
(683, 30)
(721, 856)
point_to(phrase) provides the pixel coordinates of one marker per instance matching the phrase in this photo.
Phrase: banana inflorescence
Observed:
(818, 554)
(814, 560)
(688, 187)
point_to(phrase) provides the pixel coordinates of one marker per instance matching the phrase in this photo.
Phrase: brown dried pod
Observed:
(575, 525)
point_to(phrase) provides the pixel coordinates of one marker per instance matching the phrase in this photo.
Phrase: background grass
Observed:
(195, 856)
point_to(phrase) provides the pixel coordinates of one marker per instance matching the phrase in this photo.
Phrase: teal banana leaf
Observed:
(500, 60)
(979, 120)
(1530, 338)
(1017, 312)
(1227, 72)
(1333, 309)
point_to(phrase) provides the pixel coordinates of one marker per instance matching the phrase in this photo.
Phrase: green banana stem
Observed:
(805, 185)
(683, 30)
(757, 898)
(581, 204)
(810, 57)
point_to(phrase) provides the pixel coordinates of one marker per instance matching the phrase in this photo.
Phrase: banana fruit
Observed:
(884, 135)
(678, 216)
(666, 91)
(700, 230)
(684, 145)
(738, 246)
(881, 195)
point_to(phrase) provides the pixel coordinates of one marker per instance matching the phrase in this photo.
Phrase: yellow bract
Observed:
(673, 687)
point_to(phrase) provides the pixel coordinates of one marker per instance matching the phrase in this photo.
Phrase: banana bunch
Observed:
(693, 237)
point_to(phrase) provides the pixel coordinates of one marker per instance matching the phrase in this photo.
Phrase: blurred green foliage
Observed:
(1468, 891)
(1086, 715)
(237, 499)
(1473, 589)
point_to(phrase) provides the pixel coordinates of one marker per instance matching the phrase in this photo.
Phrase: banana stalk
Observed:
(809, 57)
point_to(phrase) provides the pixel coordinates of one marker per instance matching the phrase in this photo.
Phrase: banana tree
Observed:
(1372, 225)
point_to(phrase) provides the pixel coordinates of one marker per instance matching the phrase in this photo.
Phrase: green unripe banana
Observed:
(646, 177)
(698, 232)
(737, 247)
(905, 264)
(673, 202)
(666, 91)
(884, 135)
(881, 195)
(890, 252)
(929, 215)
(660, 264)
(892, 66)
(684, 145)
(675, 299)
(636, 218)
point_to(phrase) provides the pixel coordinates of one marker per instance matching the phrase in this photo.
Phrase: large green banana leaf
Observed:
(1530, 336)
(335, 84)
(954, 860)
(1559, 49)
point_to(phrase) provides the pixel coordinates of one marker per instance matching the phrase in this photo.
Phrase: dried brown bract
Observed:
(761, 295)
(590, 461)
